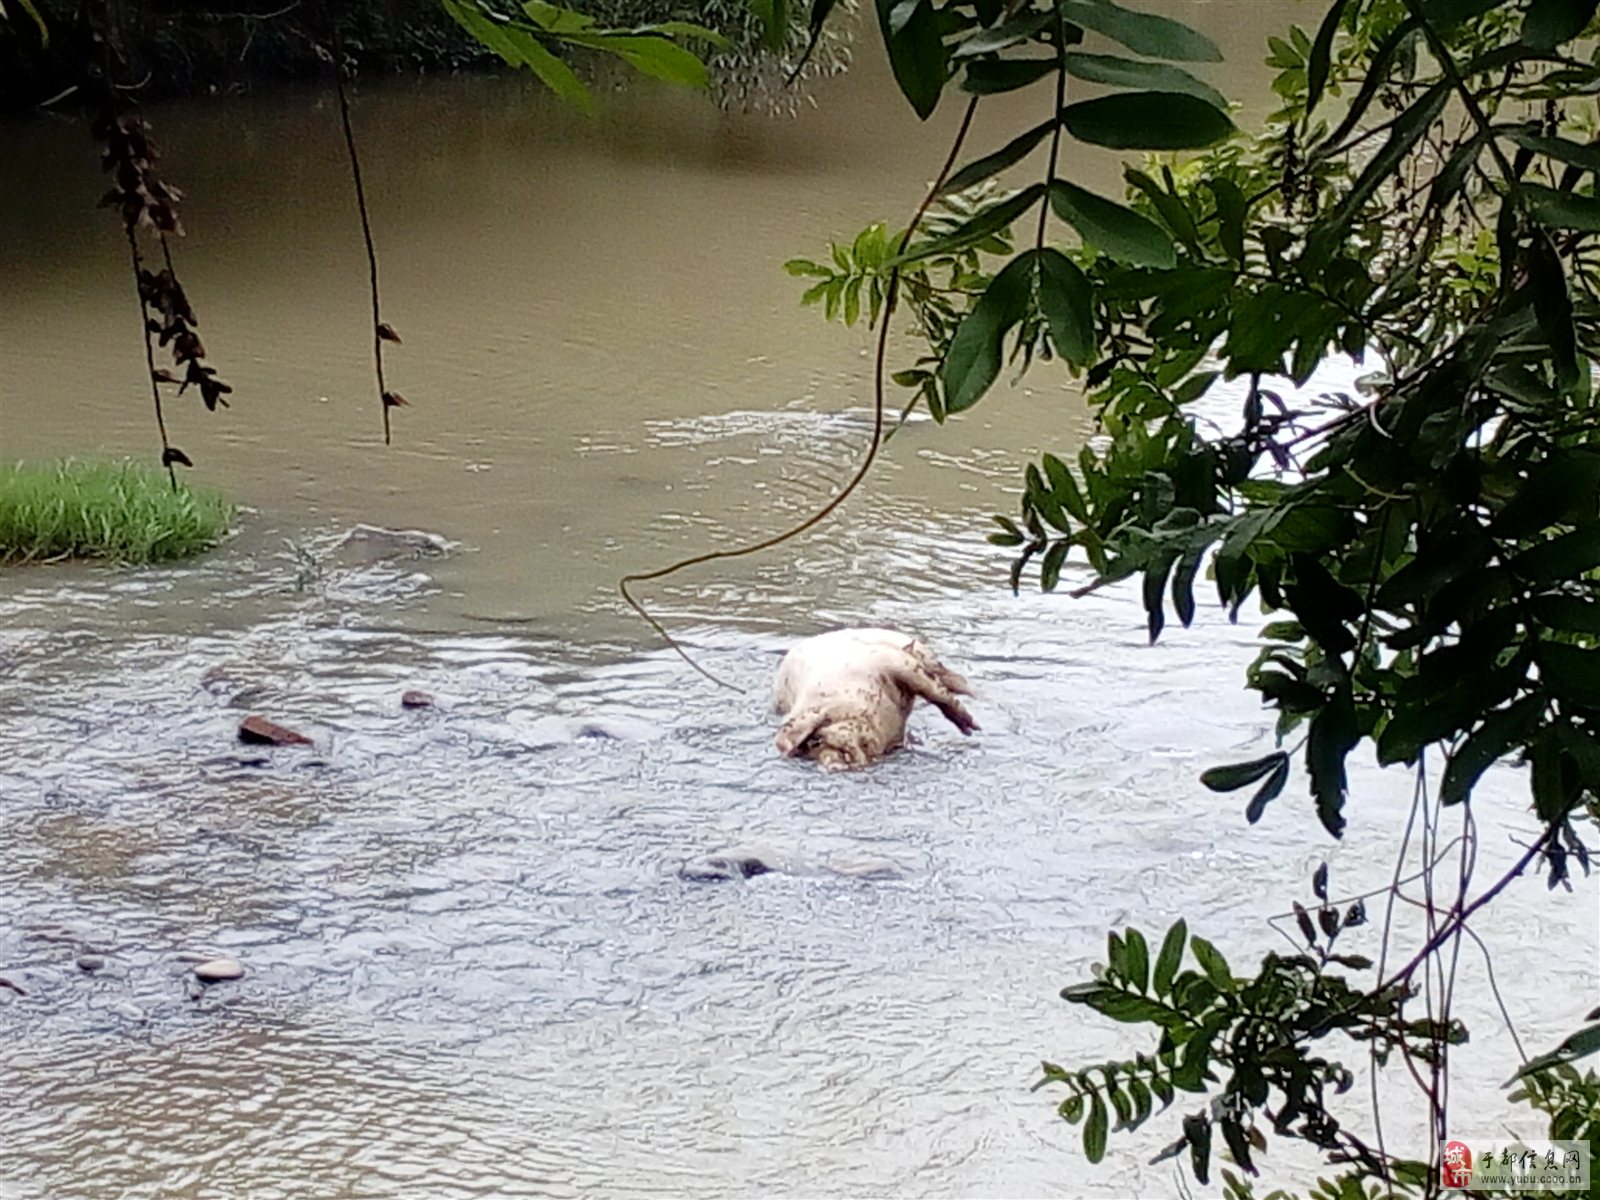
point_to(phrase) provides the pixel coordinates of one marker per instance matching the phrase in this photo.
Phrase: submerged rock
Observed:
(551, 731)
(718, 868)
(91, 963)
(128, 1009)
(374, 543)
(217, 970)
(258, 731)
(416, 699)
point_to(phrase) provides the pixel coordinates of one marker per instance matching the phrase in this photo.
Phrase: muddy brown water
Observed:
(472, 966)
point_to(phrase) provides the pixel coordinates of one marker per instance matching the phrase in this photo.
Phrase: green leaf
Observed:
(1578, 154)
(1005, 74)
(1112, 228)
(1094, 1129)
(1212, 963)
(1231, 214)
(1183, 576)
(1008, 155)
(1232, 778)
(1169, 959)
(1321, 52)
(1552, 304)
(1116, 956)
(1333, 735)
(976, 228)
(1549, 23)
(1130, 1009)
(1564, 210)
(916, 54)
(33, 14)
(1329, 233)
(1566, 557)
(1238, 1146)
(653, 56)
(1155, 584)
(1268, 791)
(1147, 121)
(1572, 673)
(1580, 1045)
(521, 49)
(1377, 77)
(1162, 1087)
(973, 360)
(1141, 1101)
(1002, 36)
(1067, 302)
(774, 18)
(1143, 33)
(686, 29)
(1569, 614)
(1138, 961)
(1453, 175)
(1052, 562)
(555, 19)
(1131, 73)
(1168, 204)
(1500, 732)
(1121, 1102)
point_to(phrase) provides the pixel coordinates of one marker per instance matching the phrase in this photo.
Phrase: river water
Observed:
(473, 967)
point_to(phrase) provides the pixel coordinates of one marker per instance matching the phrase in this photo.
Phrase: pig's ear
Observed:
(797, 730)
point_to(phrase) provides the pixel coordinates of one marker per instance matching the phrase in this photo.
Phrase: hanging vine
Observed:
(147, 205)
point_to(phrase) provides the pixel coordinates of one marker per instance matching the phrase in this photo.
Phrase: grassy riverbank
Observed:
(120, 511)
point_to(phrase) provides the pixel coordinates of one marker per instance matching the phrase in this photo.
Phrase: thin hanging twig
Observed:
(167, 459)
(386, 398)
(891, 296)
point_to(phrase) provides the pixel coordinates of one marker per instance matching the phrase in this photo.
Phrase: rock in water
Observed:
(368, 544)
(718, 868)
(219, 969)
(416, 699)
(258, 731)
(91, 963)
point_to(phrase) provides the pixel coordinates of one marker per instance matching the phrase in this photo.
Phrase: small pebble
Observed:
(218, 969)
(194, 956)
(416, 699)
(91, 962)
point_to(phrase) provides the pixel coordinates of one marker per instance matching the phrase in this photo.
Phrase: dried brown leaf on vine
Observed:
(172, 455)
(395, 400)
(387, 333)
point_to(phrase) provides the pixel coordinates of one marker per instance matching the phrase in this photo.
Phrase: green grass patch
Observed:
(121, 511)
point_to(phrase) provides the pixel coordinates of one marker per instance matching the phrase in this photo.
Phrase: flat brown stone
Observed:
(416, 699)
(258, 731)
